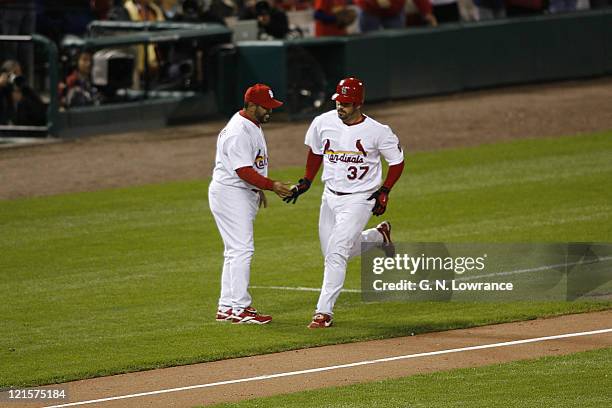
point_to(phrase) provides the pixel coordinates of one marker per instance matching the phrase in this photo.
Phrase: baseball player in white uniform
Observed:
(235, 195)
(349, 144)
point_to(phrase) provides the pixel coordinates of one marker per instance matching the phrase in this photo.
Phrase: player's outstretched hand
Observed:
(300, 188)
(282, 190)
(382, 197)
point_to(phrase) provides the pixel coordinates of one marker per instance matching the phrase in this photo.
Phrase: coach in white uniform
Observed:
(349, 144)
(235, 195)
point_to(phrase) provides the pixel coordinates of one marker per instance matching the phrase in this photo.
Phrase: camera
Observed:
(16, 80)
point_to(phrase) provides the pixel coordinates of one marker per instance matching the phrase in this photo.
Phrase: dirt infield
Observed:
(204, 378)
(185, 153)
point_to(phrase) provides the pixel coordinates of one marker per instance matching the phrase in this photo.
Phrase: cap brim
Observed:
(273, 104)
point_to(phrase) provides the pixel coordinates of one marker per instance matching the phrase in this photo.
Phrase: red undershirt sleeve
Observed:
(393, 175)
(313, 164)
(249, 175)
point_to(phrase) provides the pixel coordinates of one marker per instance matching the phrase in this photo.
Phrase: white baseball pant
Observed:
(234, 210)
(341, 223)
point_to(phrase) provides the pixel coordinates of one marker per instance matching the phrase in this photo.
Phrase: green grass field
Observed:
(124, 280)
(577, 380)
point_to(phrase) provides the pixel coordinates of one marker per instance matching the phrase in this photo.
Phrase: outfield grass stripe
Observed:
(337, 367)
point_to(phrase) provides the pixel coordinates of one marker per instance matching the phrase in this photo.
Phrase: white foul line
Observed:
(540, 268)
(300, 288)
(336, 367)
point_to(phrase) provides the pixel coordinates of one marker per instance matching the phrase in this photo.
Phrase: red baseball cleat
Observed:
(250, 316)
(385, 230)
(321, 321)
(224, 316)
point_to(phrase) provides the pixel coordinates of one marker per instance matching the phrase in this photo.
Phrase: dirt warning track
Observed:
(187, 152)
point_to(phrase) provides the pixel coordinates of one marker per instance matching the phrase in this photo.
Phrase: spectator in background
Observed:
(9, 70)
(272, 22)
(446, 11)
(19, 104)
(78, 89)
(12, 69)
(142, 11)
(490, 9)
(139, 10)
(379, 14)
(419, 13)
(332, 17)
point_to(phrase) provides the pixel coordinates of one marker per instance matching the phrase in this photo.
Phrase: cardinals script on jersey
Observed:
(346, 146)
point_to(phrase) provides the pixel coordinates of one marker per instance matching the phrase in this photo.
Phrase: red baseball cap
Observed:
(261, 95)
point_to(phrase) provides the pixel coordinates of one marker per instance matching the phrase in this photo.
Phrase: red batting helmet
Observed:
(349, 90)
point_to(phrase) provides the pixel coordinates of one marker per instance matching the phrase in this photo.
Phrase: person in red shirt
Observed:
(332, 17)
(378, 14)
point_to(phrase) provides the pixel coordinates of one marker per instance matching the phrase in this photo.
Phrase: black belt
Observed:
(338, 193)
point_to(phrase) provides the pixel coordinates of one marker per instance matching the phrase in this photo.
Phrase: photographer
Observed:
(19, 104)
(9, 70)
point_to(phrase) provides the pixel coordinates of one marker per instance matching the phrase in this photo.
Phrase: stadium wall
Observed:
(446, 59)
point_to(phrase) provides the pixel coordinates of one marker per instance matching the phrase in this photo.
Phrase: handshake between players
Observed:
(349, 145)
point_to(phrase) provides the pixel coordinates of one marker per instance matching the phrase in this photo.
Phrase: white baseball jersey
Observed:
(241, 143)
(352, 153)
